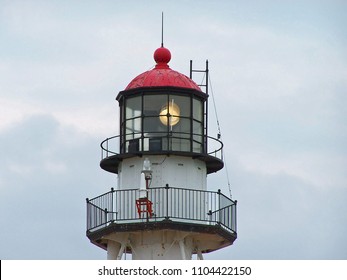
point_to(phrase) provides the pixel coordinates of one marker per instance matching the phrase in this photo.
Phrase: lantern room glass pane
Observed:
(132, 129)
(197, 147)
(179, 144)
(152, 125)
(183, 103)
(197, 137)
(197, 128)
(183, 127)
(153, 103)
(132, 135)
(133, 125)
(181, 136)
(197, 109)
(133, 107)
(154, 134)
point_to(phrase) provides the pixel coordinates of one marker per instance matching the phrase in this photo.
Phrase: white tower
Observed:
(161, 208)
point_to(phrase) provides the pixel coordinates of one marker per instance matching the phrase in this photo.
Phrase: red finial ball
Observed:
(162, 55)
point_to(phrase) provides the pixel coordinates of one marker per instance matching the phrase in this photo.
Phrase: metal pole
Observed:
(206, 77)
(219, 213)
(107, 148)
(167, 201)
(162, 29)
(191, 69)
(112, 211)
(206, 113)
(105, 215)
(236, 216)
(88, 214)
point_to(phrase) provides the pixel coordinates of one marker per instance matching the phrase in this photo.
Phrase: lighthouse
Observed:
(161, 208)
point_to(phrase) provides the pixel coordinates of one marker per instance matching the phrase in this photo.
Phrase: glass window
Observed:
(133, 126)
(133, 107)
(153, 125)
(197, 137)
(197, 128)
(197, 147)
(183, 127)
(197, 109)
(179, 144)
(166, 123)
(182, 102)
(180, 136)
(153, 103)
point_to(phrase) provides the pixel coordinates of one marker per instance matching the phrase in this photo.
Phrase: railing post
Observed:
(219, 212)
(167, 201)
(105, 216)
(235, 216)
(107, 147)
(210, 214)
(112, 191)
(88, 214)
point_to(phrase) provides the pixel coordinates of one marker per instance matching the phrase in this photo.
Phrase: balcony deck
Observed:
(111, 156)
(195, 211)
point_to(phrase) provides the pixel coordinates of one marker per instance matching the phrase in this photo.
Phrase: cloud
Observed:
(288, 119)
(281, 216)
(47, 171)
(319, 170)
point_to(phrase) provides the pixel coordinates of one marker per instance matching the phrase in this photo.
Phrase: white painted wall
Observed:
(177, 171)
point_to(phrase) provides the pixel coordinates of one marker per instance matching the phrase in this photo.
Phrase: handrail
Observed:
(112, 141)
(169, 203)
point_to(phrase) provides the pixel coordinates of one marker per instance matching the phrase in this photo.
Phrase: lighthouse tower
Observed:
(161, 208)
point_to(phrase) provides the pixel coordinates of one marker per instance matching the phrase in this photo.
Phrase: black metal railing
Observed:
(167, 143)
(175, 204)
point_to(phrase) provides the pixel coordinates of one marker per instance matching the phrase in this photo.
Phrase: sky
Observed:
(278, 71)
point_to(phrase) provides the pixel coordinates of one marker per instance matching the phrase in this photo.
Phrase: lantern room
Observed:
(162, 119)
(163, 112)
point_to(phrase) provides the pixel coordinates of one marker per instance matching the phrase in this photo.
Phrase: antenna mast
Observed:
(162, 29)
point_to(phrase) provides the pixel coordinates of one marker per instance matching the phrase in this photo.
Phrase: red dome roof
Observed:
(162, 75)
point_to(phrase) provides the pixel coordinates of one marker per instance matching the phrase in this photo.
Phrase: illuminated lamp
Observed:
(170, 114)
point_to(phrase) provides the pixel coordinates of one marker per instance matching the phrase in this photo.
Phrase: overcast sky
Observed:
(279, 78)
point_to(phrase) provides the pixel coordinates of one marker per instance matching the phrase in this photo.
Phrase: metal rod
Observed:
(168, 202)
(191, 69)
(162, 29)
